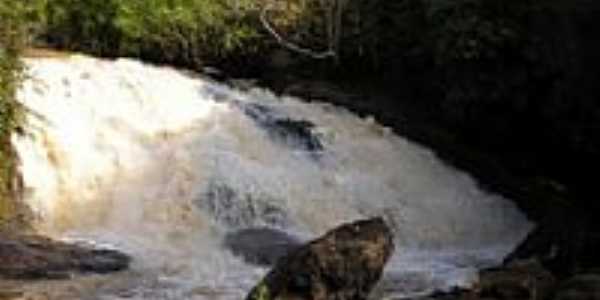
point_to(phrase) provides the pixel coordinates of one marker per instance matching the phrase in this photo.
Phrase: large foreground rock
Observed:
(35, 257)
(344, 264)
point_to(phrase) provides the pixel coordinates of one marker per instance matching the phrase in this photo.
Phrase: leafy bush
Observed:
(13, 32)
(482, 64)
(478, 52)
(518, 71)
(184, 32)
(81, 25)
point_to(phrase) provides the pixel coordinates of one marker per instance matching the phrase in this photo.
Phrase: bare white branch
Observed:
(289, 45)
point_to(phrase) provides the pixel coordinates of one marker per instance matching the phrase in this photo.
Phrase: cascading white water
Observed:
(162, 165)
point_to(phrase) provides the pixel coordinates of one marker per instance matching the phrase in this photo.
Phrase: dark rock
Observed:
(566, 243)
(236, 210)
(523, 280)
(257, 112)
(281, 59)
(261, 246)
(580, 287)
(295, 133)
(457, 294)
(35, 257)
(343, 264)
(243, 84)
(526, 280)
(323, 91)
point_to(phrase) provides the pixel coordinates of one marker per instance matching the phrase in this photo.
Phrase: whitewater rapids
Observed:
(161, 165)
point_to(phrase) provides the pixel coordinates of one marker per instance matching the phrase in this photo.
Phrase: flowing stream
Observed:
(162, 165)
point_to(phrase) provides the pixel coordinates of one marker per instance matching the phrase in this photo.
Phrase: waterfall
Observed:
(163, 165)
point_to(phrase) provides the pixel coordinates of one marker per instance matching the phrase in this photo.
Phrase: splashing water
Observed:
(162, 166)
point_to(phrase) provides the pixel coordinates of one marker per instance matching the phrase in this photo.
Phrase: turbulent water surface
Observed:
(162, 166)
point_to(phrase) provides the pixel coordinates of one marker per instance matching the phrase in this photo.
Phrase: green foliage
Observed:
(184, 29)
(469, 30)
(477, 60)
(13, 32)
(82, 25)
(476, 50)
(185, 32)
(261, 292)
(496, 73)
(503, 70)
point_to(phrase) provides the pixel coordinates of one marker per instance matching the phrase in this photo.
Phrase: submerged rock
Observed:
(261, 246)
(35, 257)
(345, 263)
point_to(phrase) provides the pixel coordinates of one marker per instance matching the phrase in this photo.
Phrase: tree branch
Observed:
(291, 46)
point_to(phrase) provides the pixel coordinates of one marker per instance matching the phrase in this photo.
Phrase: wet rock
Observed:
(521, 280)
(35, 257)
(236, 210)
(298, 133)
(261, 246)
(295, 133)
(451, 295)
(580, 287)
(343, 264)
(565, 243)
(243, 84)
(526, 280)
